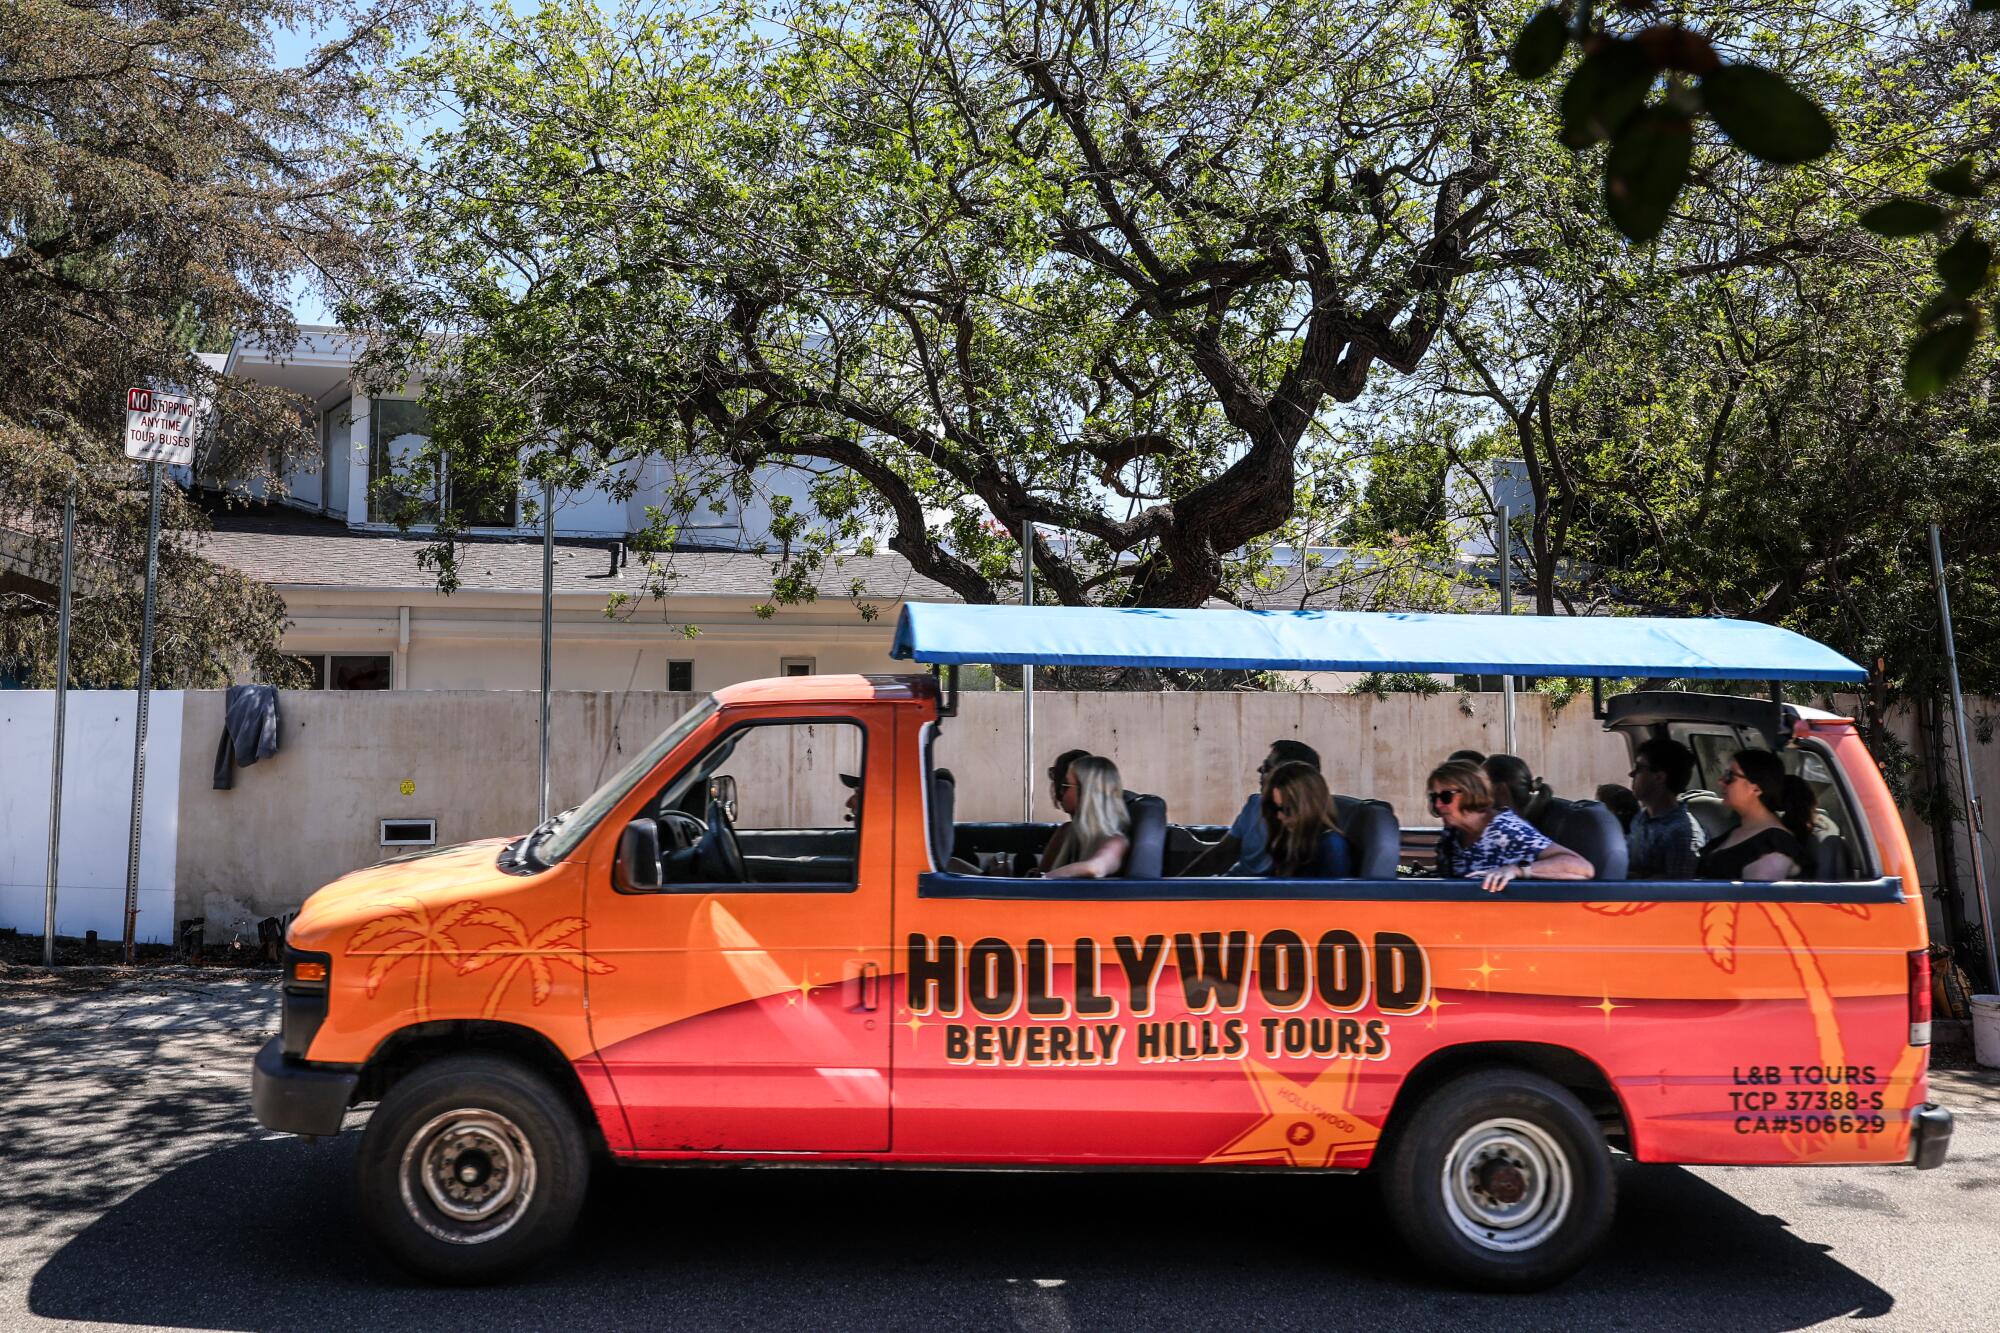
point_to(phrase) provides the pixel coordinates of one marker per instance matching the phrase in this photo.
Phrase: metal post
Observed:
(62, 709)
(1973, 820)
(1028, 679)
(1507, 609)
(139, 723)
(548, 628)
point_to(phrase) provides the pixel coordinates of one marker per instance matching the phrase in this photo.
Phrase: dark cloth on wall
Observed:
(249, 731)
(1719, 862)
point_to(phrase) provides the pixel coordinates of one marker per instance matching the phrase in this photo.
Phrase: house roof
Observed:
(289, 548)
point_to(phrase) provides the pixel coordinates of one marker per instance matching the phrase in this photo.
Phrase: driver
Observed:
(852, 781)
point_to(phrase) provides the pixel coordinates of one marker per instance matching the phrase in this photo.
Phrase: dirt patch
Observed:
(19, 951)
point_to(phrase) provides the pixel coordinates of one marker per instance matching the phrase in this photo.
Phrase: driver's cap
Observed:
(851, 781)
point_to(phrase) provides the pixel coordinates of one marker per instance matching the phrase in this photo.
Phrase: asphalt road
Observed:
(137, 1190)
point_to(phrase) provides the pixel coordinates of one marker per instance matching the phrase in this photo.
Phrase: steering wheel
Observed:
(682, 829)
(717, 853)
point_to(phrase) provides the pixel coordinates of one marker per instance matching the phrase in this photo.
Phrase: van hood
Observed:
(434, 875)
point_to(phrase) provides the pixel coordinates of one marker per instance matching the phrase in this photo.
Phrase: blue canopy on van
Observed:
(1613, 646)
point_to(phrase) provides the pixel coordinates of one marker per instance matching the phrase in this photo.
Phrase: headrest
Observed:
(1711, 812)
(1376, 836)
(1591, 831)
(1828, 859)
(943, 812)
(1147, 855)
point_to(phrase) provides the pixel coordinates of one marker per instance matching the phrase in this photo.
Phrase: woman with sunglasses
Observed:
(1100, 834)
(1495, 846)
(1061, 848)
(1774, 812)
(1302, 829)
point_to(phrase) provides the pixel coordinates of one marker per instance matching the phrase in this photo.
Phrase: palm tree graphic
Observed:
(411, 931)
(1718, 928)
(517, 951)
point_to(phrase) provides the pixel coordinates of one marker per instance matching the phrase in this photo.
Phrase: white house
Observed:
(367, 616)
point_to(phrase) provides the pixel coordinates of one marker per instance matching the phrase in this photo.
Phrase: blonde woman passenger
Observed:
(1098, 825)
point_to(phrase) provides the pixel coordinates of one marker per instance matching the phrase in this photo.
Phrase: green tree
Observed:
(1647, 86)
(161, 182)
(968, 262)
(1715, 424)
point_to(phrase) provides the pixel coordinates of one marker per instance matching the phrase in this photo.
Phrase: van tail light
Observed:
(1920, 997)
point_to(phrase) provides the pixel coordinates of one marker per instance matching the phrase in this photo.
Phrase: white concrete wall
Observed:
(96, 815)
(1199, 752)
(311, 813)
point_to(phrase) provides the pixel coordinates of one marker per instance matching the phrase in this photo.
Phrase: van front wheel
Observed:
(1502, 1180)
(471, 1168)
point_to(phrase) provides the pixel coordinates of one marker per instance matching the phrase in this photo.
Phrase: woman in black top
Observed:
(1774, 812)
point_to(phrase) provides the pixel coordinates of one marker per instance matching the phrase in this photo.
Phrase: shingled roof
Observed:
(290, 549)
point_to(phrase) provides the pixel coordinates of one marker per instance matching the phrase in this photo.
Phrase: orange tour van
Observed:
(763, 941)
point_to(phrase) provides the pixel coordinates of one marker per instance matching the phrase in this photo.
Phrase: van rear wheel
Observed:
(1502, 1180)
(471, 1168)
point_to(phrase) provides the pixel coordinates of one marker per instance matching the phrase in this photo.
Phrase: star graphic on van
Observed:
(1302, 1125)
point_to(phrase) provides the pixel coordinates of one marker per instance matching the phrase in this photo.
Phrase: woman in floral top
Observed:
(1488, 844)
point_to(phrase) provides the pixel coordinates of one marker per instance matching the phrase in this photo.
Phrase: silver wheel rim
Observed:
(1507, 1185)
(467, 1176)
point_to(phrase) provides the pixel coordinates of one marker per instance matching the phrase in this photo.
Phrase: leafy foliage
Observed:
(1766, 114)
(1715, 424)
(961, 265)
(161, 180)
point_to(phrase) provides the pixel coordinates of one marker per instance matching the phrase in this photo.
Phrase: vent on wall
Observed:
(409, 833)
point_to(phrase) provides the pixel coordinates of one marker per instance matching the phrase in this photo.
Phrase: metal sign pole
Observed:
(139, 725)
(1507, 609)
(548, 628)
(1028, 679)
(1973, 820)
(62, 710)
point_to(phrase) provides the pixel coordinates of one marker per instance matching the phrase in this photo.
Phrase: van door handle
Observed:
(867, 987)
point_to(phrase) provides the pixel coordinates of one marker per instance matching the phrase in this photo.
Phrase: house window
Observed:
(796, 666)
(348, 671)
(680, 677)
(336, 449)
(397, 429)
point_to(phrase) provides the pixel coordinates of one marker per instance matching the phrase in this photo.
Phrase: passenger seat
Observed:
(1829, 859)
(1590, 830)
(944, 810)
(1712, 813)
(1376, 836)
(1146, 857)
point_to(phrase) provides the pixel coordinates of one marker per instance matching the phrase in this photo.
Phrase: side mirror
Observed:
(722, 791)
(638, 866)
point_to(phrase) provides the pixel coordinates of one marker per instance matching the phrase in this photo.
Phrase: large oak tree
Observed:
(1105, 267)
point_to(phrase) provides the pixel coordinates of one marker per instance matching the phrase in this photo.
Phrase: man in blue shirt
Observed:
(1665, 839)
(1244, 850)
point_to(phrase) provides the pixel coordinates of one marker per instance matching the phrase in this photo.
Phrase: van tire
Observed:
(1501, 1180)
(472, 1168)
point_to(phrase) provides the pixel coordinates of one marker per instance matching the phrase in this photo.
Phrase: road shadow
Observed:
(262, 1235)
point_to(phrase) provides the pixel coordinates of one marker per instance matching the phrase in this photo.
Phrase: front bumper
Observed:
(293, 1097)
(1930, 1136)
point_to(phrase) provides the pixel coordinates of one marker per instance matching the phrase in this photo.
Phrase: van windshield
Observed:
(561, 835)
